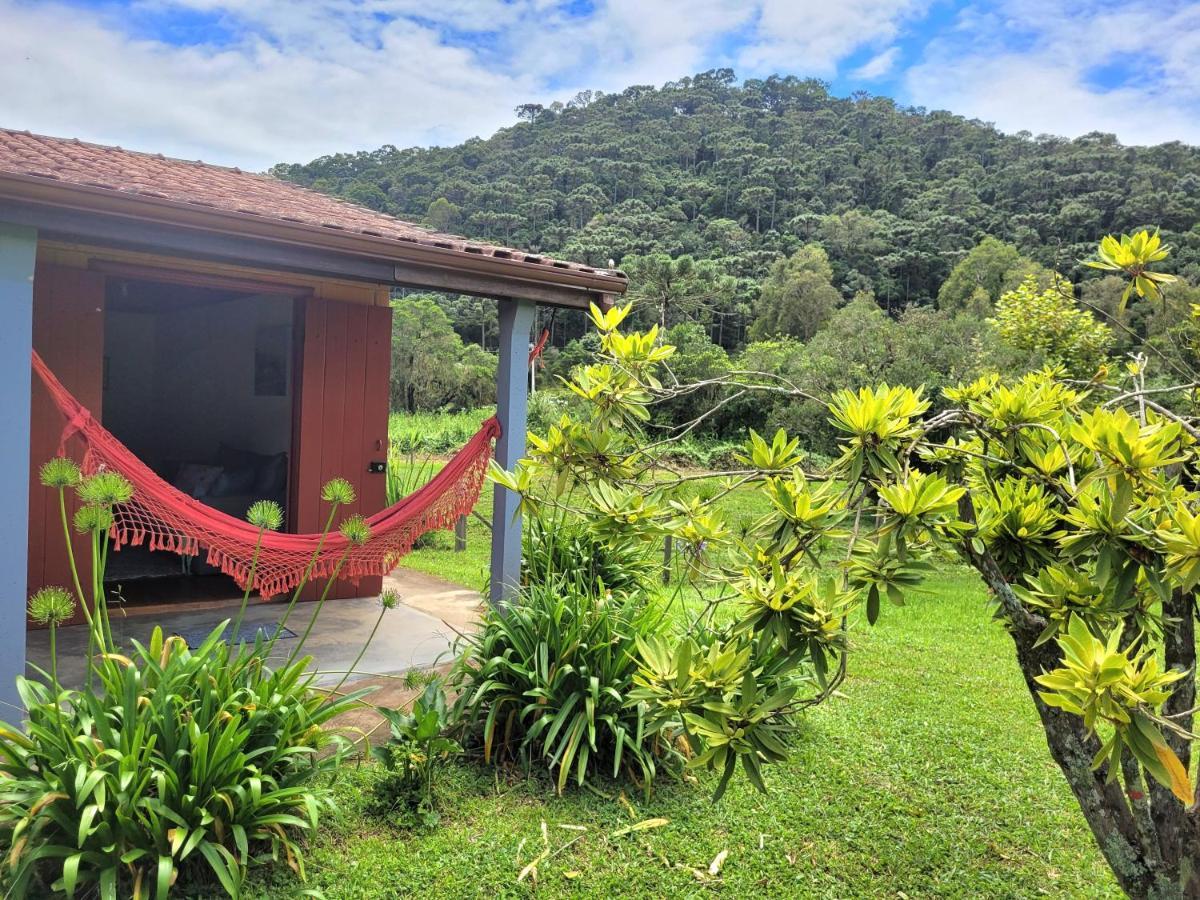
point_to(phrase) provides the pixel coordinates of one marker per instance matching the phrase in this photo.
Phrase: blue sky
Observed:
(253, 82)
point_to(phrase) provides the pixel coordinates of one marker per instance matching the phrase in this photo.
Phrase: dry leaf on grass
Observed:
(714, 867)
(643, 825)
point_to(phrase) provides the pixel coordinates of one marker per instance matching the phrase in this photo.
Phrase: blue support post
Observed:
(512, 404)
(18, 249)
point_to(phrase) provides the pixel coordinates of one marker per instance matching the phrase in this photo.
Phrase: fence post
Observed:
(460, 534)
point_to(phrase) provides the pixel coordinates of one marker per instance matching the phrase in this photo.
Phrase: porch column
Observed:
(18, 248)
(512, 402)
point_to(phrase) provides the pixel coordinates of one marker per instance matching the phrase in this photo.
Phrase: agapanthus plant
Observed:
(175, 764)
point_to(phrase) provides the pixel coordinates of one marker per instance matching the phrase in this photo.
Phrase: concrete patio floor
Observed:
(416, 634)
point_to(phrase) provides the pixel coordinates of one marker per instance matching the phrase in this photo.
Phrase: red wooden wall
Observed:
(68, 332)
(342, 416)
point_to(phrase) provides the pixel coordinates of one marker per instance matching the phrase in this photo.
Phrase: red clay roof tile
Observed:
(71, 161)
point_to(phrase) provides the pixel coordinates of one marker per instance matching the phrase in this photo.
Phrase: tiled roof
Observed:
(199, 184)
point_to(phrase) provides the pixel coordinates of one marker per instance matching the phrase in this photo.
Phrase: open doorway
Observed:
(199, 384)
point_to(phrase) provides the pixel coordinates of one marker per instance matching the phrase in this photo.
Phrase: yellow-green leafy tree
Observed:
(1049, 325)
(1075, 500)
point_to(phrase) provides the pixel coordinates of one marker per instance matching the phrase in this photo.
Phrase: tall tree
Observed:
(424, 349)
(679, 290)
(746, 173)
(977, 281)
(797, 297)
(443, 215)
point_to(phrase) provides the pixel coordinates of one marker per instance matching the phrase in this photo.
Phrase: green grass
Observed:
(928, 777)
(435, 432)
(436, 554)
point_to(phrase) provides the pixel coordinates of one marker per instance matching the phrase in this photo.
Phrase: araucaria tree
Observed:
(1076, 500)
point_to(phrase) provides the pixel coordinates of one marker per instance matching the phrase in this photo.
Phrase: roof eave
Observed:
(447, 268)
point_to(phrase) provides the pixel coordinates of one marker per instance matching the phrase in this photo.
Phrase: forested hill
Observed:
(743, 174)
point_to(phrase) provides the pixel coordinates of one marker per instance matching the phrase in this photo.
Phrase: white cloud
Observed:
(290, 80)
(627, 42)
(255, 102)
(299, 79)
(878, 65)
(813, 36)
(1050, 85)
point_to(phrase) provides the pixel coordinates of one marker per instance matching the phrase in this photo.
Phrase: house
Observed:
(231, 329)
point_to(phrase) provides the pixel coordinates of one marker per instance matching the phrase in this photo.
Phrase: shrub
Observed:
(701, 453)
(180, 761)
(1048, 324)
(546, 681)
(570, 550)
(535, 680)
(545, 409)
(415, 751)
(173, 764)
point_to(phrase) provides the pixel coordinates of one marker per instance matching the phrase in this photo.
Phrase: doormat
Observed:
(196, 635)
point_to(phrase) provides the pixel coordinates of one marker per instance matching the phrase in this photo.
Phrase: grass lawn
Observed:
(929, 777)
(436, 553)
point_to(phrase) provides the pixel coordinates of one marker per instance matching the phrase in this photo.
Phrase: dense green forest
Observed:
(769, 223)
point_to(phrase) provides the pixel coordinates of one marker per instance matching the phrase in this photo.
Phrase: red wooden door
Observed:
(345, 364)
(68, 332)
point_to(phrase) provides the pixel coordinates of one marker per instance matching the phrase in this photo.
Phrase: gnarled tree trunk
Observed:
(1150, 840)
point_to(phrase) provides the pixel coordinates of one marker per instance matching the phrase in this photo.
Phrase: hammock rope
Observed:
(162, 517)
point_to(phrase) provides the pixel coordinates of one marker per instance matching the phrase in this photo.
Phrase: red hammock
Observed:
(165, 518)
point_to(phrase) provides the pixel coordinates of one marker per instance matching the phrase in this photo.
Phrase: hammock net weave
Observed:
(162, 517)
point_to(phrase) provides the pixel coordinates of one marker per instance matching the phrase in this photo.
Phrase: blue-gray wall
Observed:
(18, 249)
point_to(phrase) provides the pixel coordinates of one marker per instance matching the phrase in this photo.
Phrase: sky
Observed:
(255, 82)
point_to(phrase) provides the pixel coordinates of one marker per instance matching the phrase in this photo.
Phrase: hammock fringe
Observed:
(162, 517)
